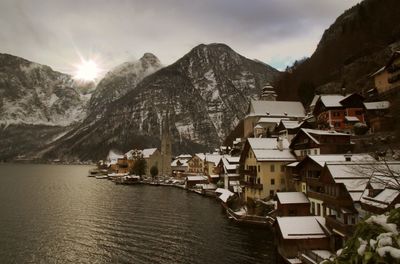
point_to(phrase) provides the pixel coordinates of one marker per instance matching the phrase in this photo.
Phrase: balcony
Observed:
(252, 185)
(333, 223)
(251, 173)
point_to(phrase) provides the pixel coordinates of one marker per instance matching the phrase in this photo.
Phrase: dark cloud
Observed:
(54, 32)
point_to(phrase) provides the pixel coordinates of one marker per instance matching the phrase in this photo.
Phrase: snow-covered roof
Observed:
(382, 200)
(229, 166)
(274, 120)
(322, 159)
(148, 152)
(292, 198)
(112, 157)
(184, 156)
(352, 119)
(353, 176)
(231, 159)
(258, 126)
(266, 149)
(332, 100)
(289, 124)
(200, 156)
(377, 105)
(197, 178)
(274, 154)
(183, 163)
(276, 109)
(214, 158)
(301, 227)
(310, 132)
(224, 194)
(293, 164)
(314, 100)
(266, 143)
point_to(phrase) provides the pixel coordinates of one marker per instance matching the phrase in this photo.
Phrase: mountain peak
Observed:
(149, 59)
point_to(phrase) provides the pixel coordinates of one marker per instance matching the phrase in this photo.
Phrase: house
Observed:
(315, 142)
(192, 181)
(377, 115)
(300, 234)
(263, 161)
(387, 78)
(308, 172)
(340, 112)
(180, 165)
(153, 157)
(228, 168)
(274, 111)
(342, 186)
(292, 204)
(197, 163)
(112, 161)
(289, 128)
(211, 168)
(382, 192)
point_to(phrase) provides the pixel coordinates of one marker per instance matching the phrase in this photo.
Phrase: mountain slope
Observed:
(35, 94)
(121, 80)
(354, 46)
(205, 94)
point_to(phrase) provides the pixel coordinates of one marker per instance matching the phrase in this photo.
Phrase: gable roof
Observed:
(276, 108)
(311, 133)
(148, 152)
(352, 175)
(266, 149)
(214, 158)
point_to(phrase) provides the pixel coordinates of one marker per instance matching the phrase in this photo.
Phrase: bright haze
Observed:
(63, 33)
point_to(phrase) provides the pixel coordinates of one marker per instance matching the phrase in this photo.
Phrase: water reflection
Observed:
(54, 213)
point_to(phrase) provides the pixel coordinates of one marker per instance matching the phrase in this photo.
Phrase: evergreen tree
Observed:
(139, 168)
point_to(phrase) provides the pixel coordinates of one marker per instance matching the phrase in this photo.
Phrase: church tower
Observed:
(268, 93)
(166, 148)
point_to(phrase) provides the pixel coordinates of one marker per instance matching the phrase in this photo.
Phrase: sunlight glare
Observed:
(87, 71)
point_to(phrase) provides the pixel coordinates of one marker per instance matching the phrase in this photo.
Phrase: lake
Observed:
(56, 214)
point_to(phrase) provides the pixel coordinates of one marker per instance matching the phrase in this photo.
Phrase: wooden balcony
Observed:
(343, 228)
(338, 201)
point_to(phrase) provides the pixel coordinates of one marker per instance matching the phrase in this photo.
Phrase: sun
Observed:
(87, 70)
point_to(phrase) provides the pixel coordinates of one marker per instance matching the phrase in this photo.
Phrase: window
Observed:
(318, 209)
(315, 152)
(272, 168)
(313, 208)
(282, 168)
(271, 193)
(272, 181)
(258, 168)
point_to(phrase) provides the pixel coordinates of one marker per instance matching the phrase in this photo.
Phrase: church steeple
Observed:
(166, 146)
(268, 93)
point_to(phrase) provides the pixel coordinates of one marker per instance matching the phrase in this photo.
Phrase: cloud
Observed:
(55, 32)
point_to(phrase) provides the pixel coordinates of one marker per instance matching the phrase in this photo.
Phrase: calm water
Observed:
(55, 214)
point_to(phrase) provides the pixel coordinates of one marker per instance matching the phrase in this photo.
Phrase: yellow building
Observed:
(387, 79)
(263, 162)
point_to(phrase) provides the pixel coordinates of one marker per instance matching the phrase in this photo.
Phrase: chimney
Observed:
(279, 143)
(348, 156)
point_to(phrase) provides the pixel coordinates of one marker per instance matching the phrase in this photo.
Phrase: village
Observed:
(302, 171)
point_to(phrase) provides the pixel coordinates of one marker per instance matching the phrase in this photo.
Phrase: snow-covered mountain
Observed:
(34, 94)
(120, 80)
(206, 93)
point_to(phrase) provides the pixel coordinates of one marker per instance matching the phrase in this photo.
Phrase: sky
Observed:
(60, 33)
